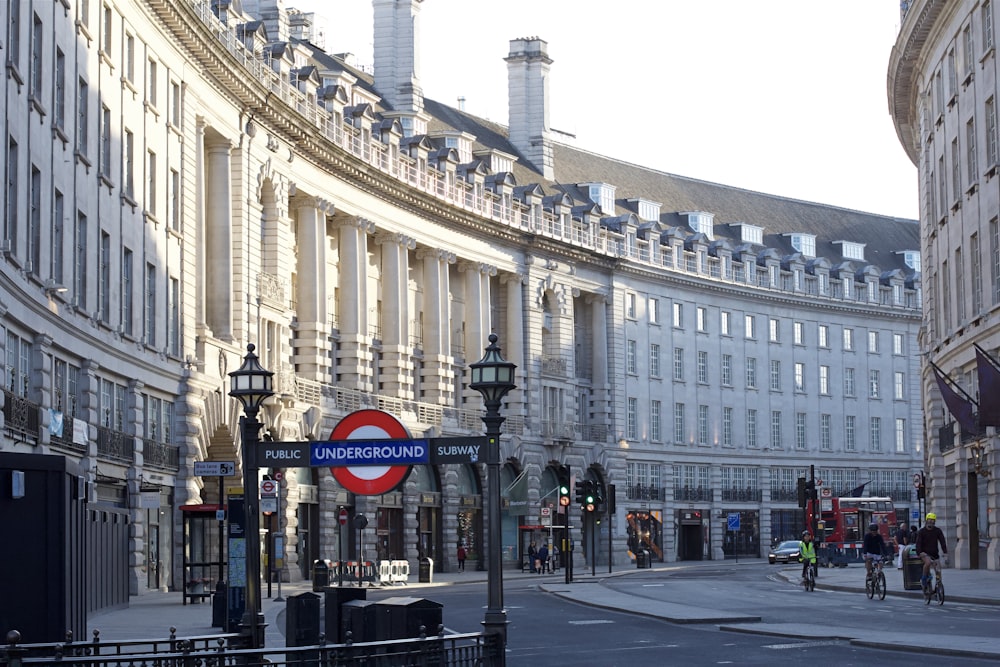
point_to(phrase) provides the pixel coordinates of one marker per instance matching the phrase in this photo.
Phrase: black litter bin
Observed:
(357, 621)
(642, 558)
(332, 614)
(426, 570)
(321, 574)
(407, 618)
(219, 605)
(913, 570)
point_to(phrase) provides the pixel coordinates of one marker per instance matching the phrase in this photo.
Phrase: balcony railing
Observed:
(785, 495)
(22, 419)
(65, 439)
(115, 445)
(644, 492)
(747, 495)
(696, 494)
(160, 455)
(946, 438)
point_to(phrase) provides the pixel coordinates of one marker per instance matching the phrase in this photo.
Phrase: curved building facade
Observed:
(942, 86)
(185, 178)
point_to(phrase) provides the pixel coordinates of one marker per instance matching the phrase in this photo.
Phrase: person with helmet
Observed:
(873, 548)
(807, 554)
(928, 539)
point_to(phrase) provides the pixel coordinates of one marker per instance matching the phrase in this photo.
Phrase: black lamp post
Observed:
(251, 385)
(493, 378)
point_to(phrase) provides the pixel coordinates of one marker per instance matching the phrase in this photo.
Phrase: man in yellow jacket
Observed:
(807, 553)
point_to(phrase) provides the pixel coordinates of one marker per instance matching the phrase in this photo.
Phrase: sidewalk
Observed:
(153, 614)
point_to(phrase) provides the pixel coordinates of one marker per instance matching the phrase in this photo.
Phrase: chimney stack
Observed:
(528, 102)
(397, 44)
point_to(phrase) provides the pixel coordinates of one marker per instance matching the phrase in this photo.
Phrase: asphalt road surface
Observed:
(547, 630)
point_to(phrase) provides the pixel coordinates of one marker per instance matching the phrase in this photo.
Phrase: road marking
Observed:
(802, 645)
(653, 585)
(594, 622)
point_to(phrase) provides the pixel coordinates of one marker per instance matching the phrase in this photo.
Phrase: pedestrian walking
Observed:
(461, 557)
(543, 559)
(533, 557)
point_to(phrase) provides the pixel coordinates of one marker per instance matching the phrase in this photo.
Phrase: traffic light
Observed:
(802, 491)
(581, 491)
(589, 496)
(811, 490)
(563, 475)
(599, 496)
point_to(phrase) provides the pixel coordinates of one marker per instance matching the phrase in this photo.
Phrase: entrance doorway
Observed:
(690, 535)
(389, 533)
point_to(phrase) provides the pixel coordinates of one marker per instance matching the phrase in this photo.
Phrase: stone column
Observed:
(477, 316)
(355, 354)
(437, 381)
(311, 347)
(599, 359)
(512, 342)
(396, 368)
(201, 232)
(218, 246)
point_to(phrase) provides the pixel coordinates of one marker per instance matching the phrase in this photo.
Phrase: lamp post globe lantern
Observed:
(251, 385)
(493, 377)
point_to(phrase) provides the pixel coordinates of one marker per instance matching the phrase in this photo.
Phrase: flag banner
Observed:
(960, 408)
(989, 389)
(858, 490)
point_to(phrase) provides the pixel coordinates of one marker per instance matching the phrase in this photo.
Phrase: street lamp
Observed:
(251, 385)
(493, 378)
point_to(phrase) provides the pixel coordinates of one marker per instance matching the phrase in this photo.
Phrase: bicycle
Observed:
(810, 579)
(934, 587)
(875, 580)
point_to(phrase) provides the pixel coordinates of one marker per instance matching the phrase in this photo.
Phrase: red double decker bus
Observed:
(841, 525)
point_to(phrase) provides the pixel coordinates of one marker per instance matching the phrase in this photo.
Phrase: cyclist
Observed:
(807, 554)
(928, 539)
(873, 548)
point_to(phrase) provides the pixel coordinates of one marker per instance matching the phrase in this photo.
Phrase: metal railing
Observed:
(644, 492)
(22, 418)
(160, 455)
(742, 495)
(699, 493)
(115, 445)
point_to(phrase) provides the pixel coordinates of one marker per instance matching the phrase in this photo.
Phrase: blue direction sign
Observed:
(733, 521)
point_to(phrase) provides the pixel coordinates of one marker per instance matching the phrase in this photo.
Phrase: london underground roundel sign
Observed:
(369, 425)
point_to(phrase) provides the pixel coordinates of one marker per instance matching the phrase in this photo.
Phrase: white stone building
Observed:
(185, 178)
(942, 96)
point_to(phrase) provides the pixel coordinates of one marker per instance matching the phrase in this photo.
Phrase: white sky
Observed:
(786, 97)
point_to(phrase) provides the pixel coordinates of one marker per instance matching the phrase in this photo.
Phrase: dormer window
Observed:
(805, 244)
(750, 233)
(912, 259)
(603, 195)
(851, 250)
(462, 145)
(702, 223)
(648, 210)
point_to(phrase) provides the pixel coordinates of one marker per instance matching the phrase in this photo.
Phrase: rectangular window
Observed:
(898, 384)
(959, 293)
(724, 326)
(971, 167)
(956, 170)
(749, 326)
(630, 306)
(129, 165)
(751, 373)
(80, 268)
(703, 425)
(104, 284)
(151, 90)
(995, 259)
(654, 310)
(850, 440)
(849, 382)
(126, 293)
(800, 376)
(130, 57)
(776, 429)
(58, 228)
(976, 271)
(175, 104)
(800, 430)
(900, 435)
(897, 343)
(37, 57)
(175, 200)
(18, 367)
(633, 418)
(798, 333)
(654, 360)
(151, 186)
(775, 375)
(174, 313)
(751, 428)
(987, 22)
(773, 330)
(727, 370)
(848, 339)
(59, 94)
(14, 35)
(678, 315)
(701, 315)
(106, 26)
(703, 367)
(655, 418)
(825, 437)
(679, 430)
(630, 357)
(824, 380)
(13, 194)
(991, 133)
(873, 342)
(35, 223)
(150, 305)
(876, 434)
(873, 381)
(727, 427)
(679, 363)
(82, 120)
(105, 156)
